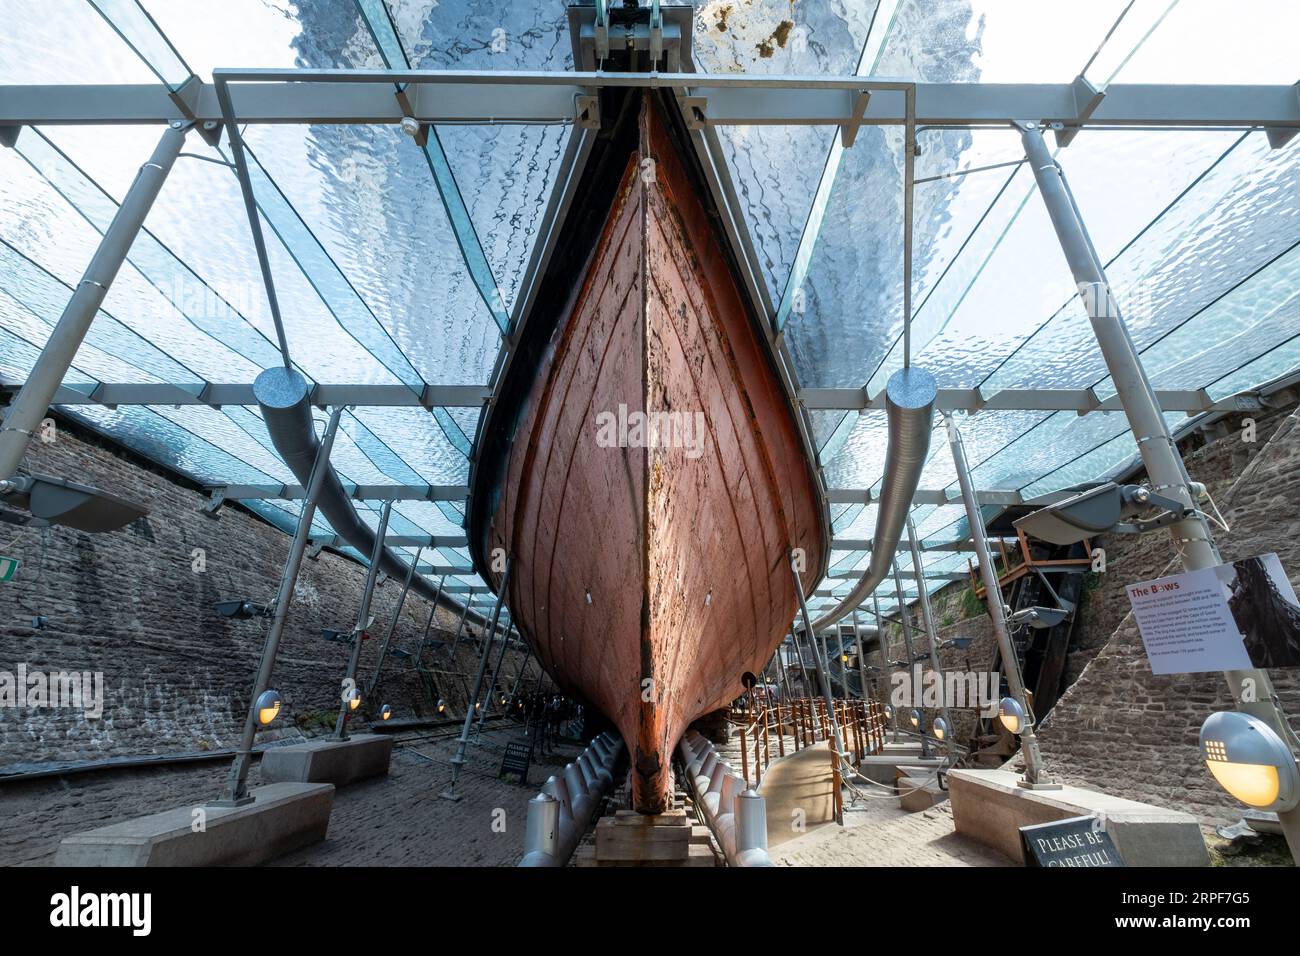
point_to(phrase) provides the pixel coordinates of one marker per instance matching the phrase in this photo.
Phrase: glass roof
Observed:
(401, 265)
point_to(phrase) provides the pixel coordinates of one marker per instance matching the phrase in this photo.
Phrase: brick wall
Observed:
(1123, 730)
(176, 674)
(1118, 728)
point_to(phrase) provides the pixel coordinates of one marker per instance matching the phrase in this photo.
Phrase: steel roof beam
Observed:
(358, 492)
(945, 496)
(908, 575)
(446, 96)
(1080, 400)
(864, 544)
(400, 541)
(217, 394)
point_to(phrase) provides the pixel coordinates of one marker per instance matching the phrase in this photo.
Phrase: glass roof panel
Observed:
(359, 211)
(1230, 218)
(379, 283)
(64, 41)
(257, 34)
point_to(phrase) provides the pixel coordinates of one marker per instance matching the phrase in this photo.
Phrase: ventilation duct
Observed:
(285, 399)
(909, 405)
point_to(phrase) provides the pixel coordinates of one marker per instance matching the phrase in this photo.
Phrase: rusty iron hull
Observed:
(650, 570)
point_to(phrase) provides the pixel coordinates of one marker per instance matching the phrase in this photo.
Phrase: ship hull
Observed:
(655, 486)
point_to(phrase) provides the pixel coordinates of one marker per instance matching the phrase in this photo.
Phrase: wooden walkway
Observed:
(798, 792)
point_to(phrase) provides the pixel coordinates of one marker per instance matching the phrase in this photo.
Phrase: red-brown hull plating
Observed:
(650, 568)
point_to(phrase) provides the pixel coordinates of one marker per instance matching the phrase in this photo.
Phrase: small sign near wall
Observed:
(8, 568)
(514, 764)
(1074, 842)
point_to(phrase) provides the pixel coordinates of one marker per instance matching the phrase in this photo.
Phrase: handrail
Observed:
(863, 724)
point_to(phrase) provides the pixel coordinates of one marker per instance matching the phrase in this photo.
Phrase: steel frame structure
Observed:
(240, 97)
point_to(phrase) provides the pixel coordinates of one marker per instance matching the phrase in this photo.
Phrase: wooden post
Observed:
(744, 756)
(767, 742)
(837, 789)
(780, 733)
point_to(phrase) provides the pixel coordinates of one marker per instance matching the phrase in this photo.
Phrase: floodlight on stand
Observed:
(1250, 761)
(442, 706)
(410, 126)
(385, 712)
(959, 643)
(268, 706)
(915, 717)
(889, 711)
(53, 501)
(1039, 617)
(940, 728)
(1011, 714)
(353, 697)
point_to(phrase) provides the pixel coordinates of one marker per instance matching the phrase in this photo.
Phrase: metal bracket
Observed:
(587, 110)
(849, 131)
(210, 131)
(695, 110)
(1279, 136)
(186, 97)
(1091, 403)
(602, 30)
(1086, 100)
(656, 34)
(316, 547)
(9, 135)
(421, 137)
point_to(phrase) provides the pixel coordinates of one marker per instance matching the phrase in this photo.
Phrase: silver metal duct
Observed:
(285, 399)
(909, 404)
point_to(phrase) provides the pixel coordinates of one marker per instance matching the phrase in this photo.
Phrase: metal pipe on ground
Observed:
(559, 815)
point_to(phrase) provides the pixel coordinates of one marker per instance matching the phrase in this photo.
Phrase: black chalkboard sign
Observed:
(516, 760)
(1076, 842)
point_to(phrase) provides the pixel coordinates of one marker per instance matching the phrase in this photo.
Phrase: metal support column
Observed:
(839, 659)
(393, 622)
(496, 675)
(1035, 775)
(519, 678)
(821, 669)
(857, 649)
(30, 405)
(363, 620)
(236, 792)
(803, 668)
(1192, 539)
(913, 669)
(462, 742)
(927, 618)
(428, 625)
(460, 628)
(883, 650)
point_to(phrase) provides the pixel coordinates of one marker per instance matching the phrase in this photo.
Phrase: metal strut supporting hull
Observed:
(650, 566)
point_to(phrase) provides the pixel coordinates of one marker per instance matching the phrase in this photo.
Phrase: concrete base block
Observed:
(281, 818)
(339, 762)
(918, 790)
(989, 806)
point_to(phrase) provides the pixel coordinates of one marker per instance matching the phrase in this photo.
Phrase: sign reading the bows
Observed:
(8, 568)
(1075, 842)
